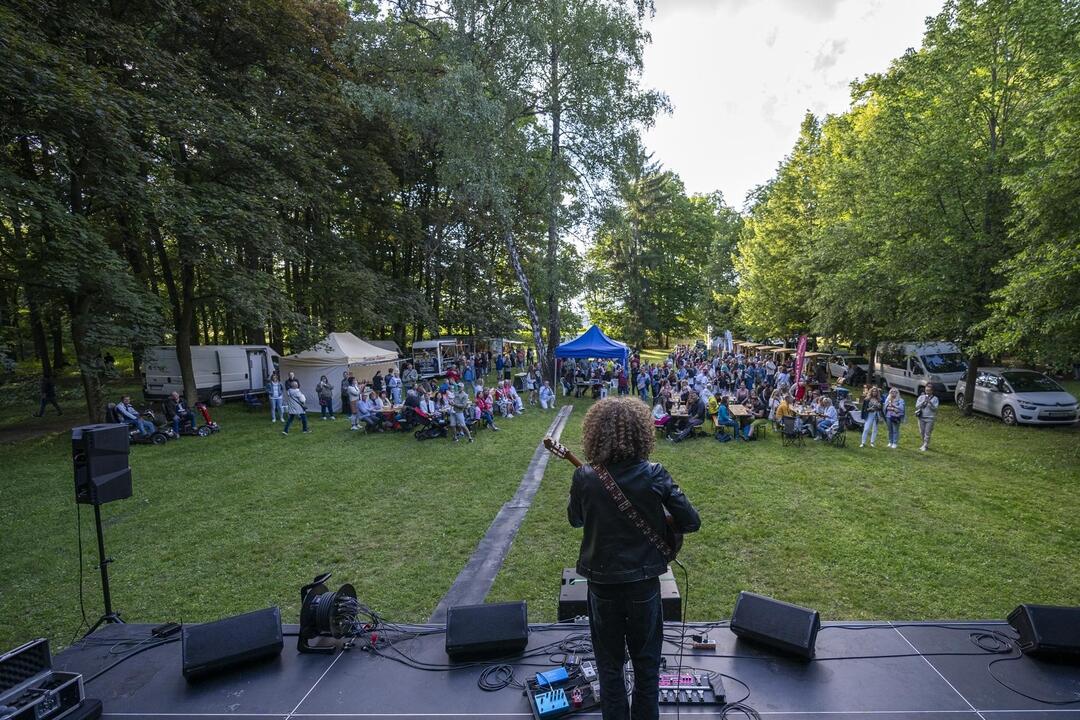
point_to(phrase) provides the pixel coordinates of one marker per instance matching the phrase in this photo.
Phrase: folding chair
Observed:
(788, 434)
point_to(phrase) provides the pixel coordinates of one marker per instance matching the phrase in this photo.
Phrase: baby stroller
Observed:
(210, 426)
(429, 427)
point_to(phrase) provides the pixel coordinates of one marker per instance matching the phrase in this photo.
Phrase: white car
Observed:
(1020, 396)
(839, 364)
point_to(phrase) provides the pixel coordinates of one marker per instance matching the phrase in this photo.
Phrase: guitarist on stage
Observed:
(620, 552)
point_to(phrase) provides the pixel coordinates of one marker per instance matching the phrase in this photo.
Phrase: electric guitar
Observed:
(671, 536)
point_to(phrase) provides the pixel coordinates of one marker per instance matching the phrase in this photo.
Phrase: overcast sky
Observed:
(741, 73)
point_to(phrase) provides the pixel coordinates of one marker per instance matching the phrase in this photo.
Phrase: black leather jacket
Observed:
(613, 550)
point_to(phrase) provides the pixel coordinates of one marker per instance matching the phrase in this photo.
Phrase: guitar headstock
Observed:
(556, 448)
(559, 450)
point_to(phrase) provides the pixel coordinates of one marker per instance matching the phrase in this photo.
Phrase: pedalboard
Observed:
(563, 691)
(691, 688)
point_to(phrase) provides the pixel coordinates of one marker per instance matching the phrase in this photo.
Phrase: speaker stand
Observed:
(110, 615)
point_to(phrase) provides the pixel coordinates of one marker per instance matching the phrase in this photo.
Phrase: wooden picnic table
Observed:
(739, 411)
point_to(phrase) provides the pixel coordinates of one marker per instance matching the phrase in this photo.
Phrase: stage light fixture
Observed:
(325, 613)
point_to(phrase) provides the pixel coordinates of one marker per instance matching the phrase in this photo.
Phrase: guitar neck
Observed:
(559, 450)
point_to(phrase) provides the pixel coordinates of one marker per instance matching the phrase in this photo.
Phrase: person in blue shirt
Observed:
(724, 419)
(276, 392)
(132, 417)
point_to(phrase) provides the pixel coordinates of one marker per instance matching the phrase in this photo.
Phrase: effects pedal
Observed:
(551, 703)
(702, 642)
(563, 690)
(691, 688)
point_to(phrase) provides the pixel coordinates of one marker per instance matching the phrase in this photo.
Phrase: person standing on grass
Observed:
(872, 413)
(296, 404)
(276, 392)
(459, 403)
(409, 377)
(926, 407)
(894, 415)
(622, 565)
(352, 393)
(325, 391)
(48, 395)
(393, 385)
(346, 401)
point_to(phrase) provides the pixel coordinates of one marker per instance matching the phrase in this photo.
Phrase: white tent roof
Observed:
(342, 349)
(384, 344)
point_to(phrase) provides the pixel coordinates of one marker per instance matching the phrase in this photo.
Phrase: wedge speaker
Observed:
(782, 626)
(215, 647)
(1048, 631)
(484, 631)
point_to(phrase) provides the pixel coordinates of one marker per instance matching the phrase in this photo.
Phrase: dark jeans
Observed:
(688, 428)
(303, 420)
(45, 400)
(181, 419)
(627, 616)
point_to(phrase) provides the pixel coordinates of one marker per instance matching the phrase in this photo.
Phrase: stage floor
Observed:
(885, 671)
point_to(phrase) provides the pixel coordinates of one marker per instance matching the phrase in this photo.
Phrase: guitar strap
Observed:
(627, 508)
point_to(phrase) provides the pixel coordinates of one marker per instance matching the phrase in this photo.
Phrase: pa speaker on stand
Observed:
(99, 454)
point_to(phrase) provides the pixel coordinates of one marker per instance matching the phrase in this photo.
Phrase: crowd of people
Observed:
(460, 401)
(704, 385)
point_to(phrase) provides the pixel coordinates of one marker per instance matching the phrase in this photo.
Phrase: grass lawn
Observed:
(241, 519)
(986, 520)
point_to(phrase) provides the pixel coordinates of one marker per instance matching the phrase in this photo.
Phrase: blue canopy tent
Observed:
(592, 343)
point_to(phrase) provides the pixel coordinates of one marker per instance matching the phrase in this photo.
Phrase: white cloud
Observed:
(741, 74)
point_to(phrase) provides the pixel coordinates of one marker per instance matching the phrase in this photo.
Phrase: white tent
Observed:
(332, 357)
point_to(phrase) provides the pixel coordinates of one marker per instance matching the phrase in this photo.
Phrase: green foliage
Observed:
(660, 259)
(222, 172)
(934, 207)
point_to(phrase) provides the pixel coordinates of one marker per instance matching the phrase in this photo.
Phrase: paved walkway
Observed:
(475, 580)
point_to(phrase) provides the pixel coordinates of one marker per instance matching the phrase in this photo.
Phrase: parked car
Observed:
(910, 367)
(1020, 396)
(841, 362)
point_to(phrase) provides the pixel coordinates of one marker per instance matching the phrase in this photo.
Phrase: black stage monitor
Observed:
(780, 625)
(495, 630)
(1048, 631)
(214, 647)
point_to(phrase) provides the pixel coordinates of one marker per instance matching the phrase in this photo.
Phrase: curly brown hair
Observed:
(618, 429)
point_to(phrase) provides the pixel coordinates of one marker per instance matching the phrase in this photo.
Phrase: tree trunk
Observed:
(530, 302)
(554, 198)
(88, 355)
(974, 360)
(37, 330)
(56, 329)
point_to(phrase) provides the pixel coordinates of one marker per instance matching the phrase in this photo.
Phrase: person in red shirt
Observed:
(453, 375)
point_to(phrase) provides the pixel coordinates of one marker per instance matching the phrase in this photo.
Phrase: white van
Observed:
(910, 367)
(221, 371)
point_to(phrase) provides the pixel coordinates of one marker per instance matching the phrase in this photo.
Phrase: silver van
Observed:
(910, 367)
(1020, 396)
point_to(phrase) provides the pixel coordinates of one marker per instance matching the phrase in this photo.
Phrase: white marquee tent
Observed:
(331, 357)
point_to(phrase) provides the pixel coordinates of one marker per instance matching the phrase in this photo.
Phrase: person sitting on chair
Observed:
(131, 416)
(177, 412)
(724, 419)
(827, 426)
(547, 397)
(695, 417)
